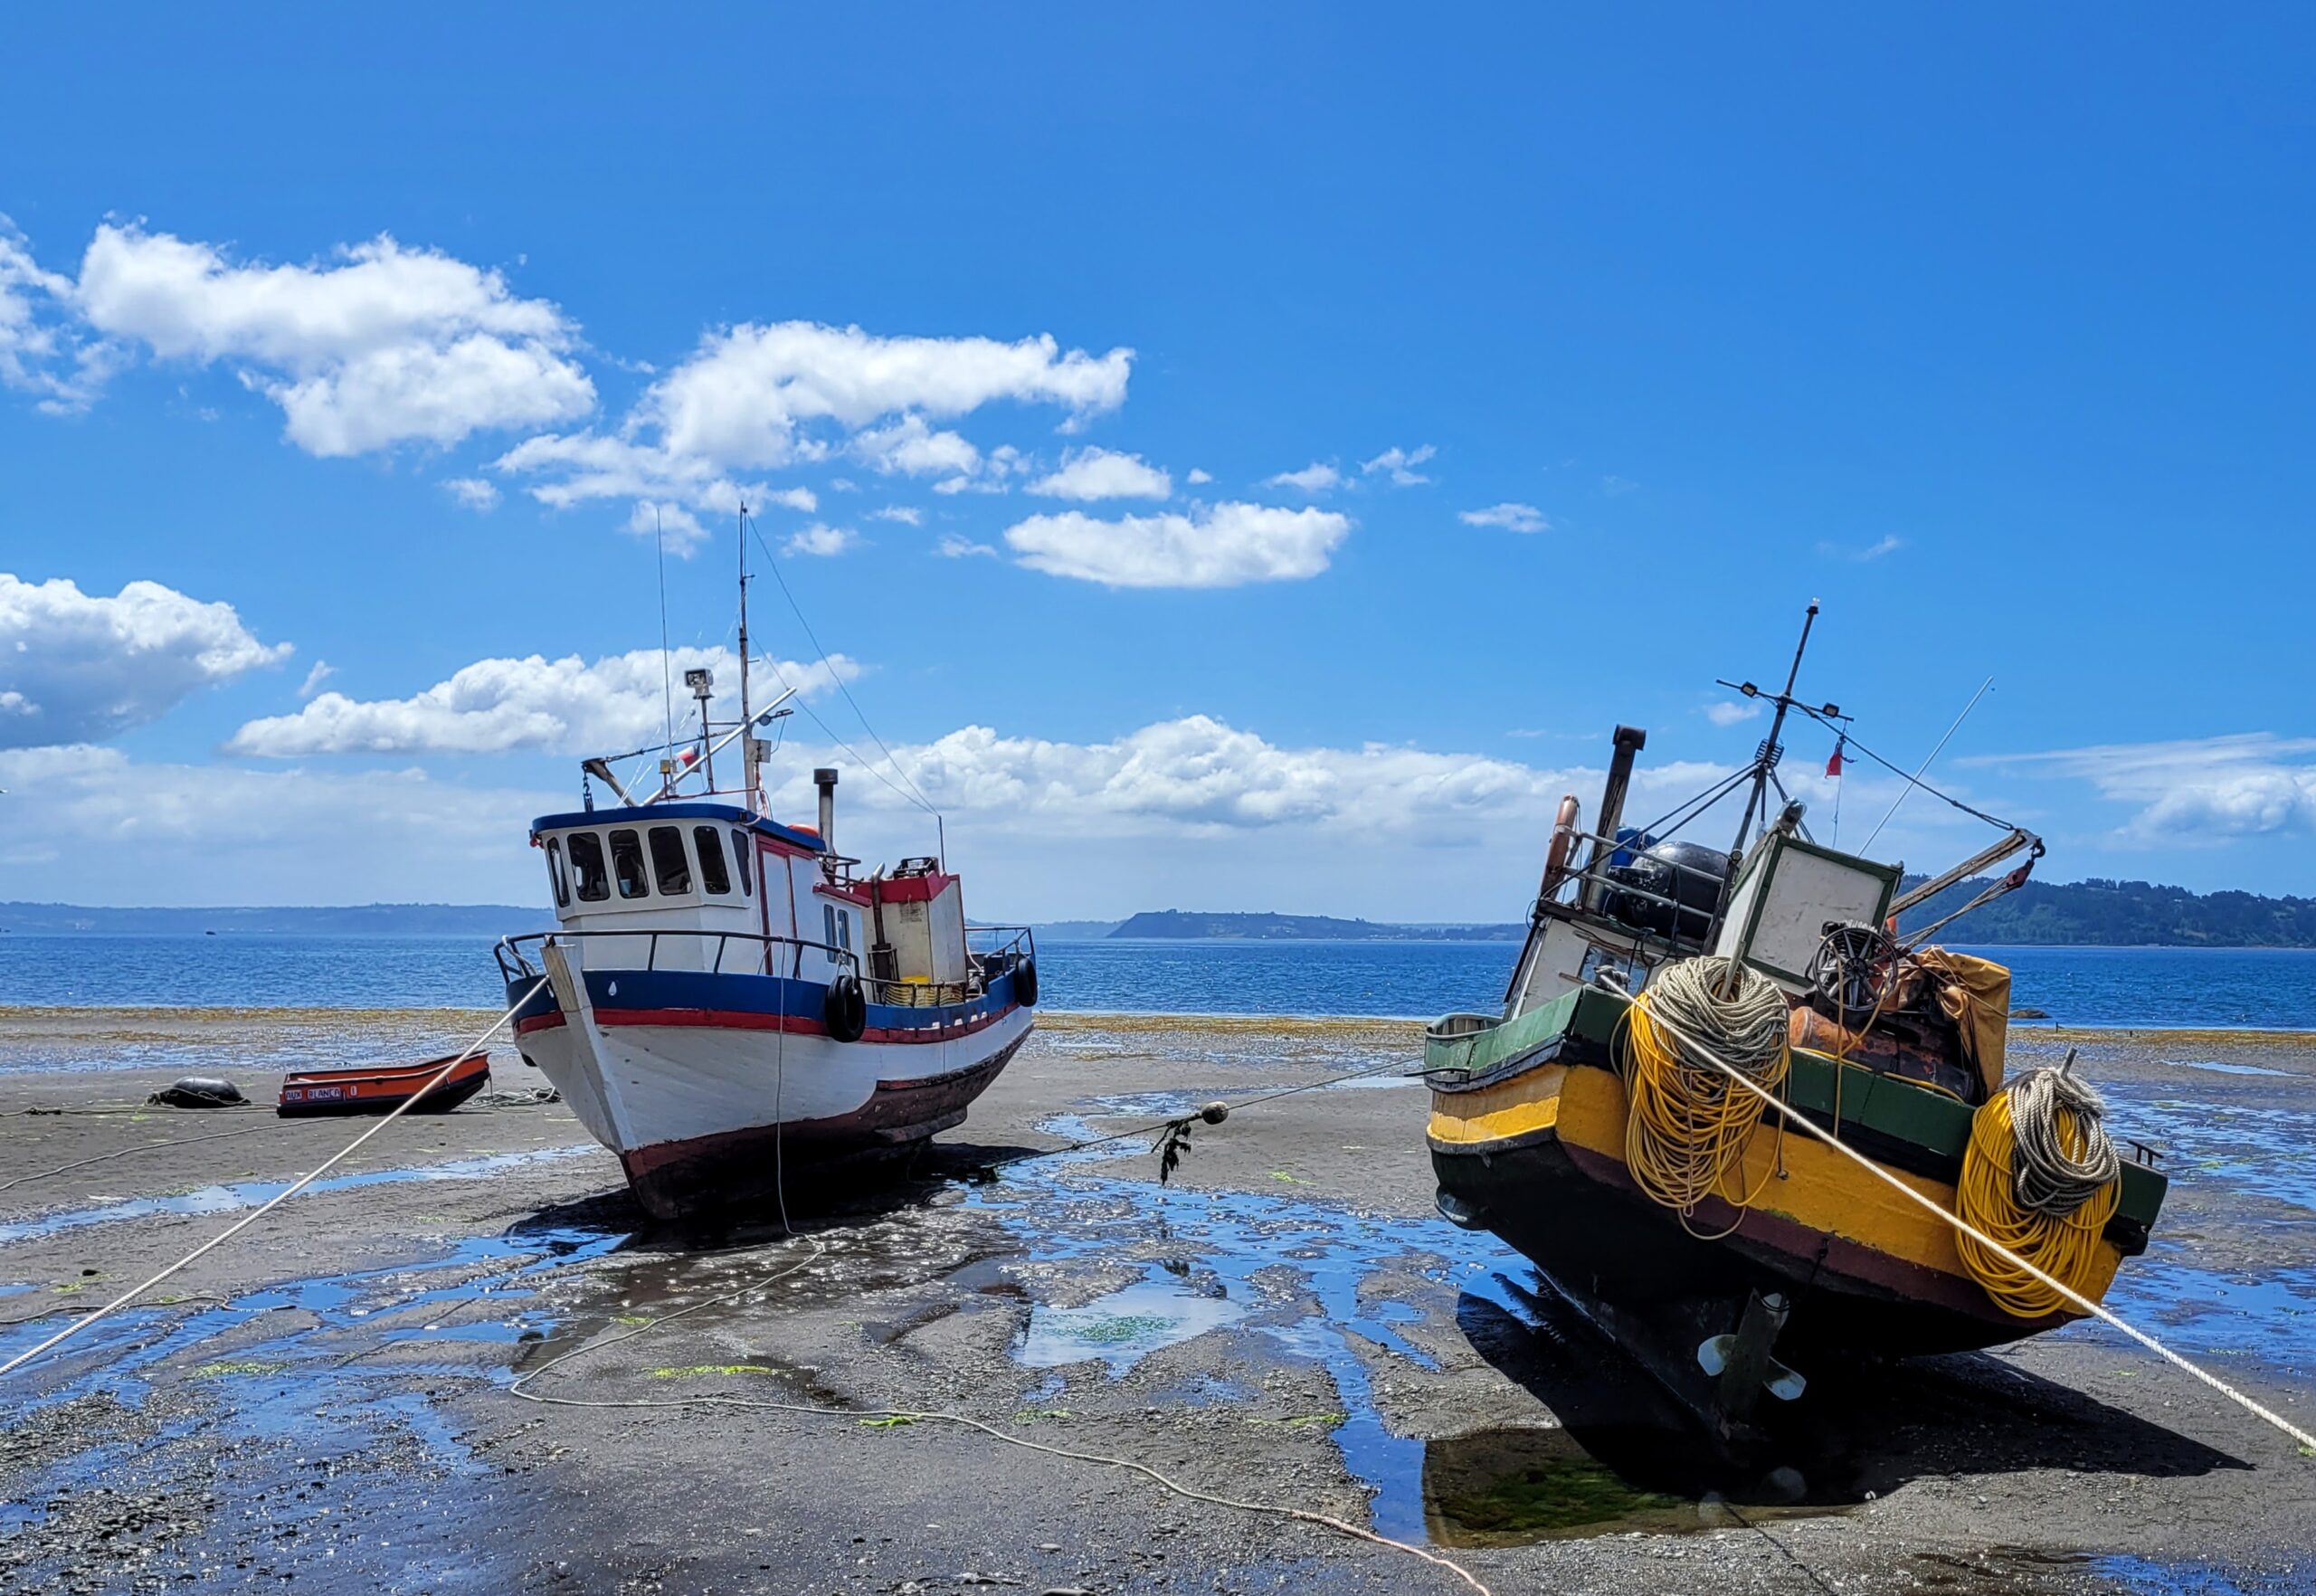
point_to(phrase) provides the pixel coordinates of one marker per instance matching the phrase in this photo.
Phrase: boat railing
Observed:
(1002, 949)
(1599, 858)
(516, 964)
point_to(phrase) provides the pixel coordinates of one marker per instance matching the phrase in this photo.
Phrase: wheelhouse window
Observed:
(587, 865)
(627, 864)
(670, 863)
(838, 926)
(555, 872)
(743, 861)
(712, 876)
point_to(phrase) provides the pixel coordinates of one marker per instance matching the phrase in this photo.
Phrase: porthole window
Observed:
(594, 881)
(627, 864)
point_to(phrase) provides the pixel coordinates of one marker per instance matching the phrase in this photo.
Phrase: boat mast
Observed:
(747, 723)
(1765, 758)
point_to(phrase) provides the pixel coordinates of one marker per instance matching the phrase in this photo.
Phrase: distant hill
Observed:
(2062, 914)
(1075, 930)
(369, 920)
(2097, 912)
(1175, 926)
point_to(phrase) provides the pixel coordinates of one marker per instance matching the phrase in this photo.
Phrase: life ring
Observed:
(845, 1009)
(1025, 983)
(1564, 829)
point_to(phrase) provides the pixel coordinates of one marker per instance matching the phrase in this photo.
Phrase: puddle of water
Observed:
(2263, 1151)
(1218, 1259)
(2140, 1576)
(329, 1387)
(2216, 1315)
(1125, 1326)
(227, 1199)
(2226, 1069)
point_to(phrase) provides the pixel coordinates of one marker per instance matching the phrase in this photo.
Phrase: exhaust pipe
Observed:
(1629, 741)
(825, 780)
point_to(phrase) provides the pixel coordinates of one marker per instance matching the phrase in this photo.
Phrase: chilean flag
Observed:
(1834, 765)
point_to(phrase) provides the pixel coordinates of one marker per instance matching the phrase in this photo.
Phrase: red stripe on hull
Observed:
(673, 1179)
(794, 1024)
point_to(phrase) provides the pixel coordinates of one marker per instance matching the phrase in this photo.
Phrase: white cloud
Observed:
(1731, 711)
(1090, 474)
(954, 547)
(909, 515)
(1315, 477)
(1201, 773)
(1198, 478)
(671, 526)
(1512, 517)
(321, 672)
(41, 351)
(564, 706)
(1888, 545)
(743, 396)
(912, 448)
(2204, 790)
(1401, 463)
(795, 499)
(78, 667)
(475, 493)
(766, 397)
(381, 346)
(819, 540)
(1224, 545)
(1616, 486)
(88, 825)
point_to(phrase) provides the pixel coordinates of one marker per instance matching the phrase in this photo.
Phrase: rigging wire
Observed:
(278, 1198)
(914, 794)
(1912, 781)
(1934, 753)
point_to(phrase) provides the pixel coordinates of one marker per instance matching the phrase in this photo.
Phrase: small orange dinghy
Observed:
(381, 1088)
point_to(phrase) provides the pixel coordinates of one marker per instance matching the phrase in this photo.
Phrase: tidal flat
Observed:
(467, 1361)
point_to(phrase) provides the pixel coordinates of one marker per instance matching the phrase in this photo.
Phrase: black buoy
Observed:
(199, 1091)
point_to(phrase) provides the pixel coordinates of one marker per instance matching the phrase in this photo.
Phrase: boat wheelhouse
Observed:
(730, 1005)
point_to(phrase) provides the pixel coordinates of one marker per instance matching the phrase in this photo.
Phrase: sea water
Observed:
(2139, 987)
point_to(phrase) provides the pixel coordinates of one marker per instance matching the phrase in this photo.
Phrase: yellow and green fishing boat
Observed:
(1734, 1115)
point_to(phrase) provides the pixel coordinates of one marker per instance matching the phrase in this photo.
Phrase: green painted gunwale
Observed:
(1580, 1027)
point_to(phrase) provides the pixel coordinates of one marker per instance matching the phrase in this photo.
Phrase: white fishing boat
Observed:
(733, 1008)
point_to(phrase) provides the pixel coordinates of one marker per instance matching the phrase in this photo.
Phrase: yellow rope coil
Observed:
(1687, 1124)
(2066, 1247)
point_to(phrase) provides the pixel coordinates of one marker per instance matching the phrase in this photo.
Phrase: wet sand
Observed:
(326, 1404)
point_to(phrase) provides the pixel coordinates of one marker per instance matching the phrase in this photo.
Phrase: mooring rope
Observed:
(2041, 1175)
(1685, 1129)
(1803, 1123)
(299, 1185)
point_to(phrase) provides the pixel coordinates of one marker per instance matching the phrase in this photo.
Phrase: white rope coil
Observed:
(2045, 1178)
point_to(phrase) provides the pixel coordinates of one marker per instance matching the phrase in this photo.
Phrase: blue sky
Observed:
(1617, 338)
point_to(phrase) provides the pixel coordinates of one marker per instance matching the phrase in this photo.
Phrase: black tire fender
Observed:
(1025, 983)
(845, 1009)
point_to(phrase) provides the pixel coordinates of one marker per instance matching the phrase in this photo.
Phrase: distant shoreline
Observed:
(93, 1018)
